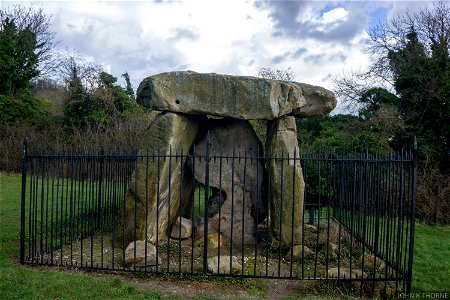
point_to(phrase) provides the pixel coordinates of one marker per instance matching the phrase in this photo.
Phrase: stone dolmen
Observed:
(211, 112)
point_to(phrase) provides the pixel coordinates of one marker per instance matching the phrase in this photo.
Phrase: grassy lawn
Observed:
(431, 269)
(22, 282)
(430, 274)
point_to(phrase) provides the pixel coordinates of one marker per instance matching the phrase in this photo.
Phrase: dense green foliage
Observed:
(18, 66)
(18, 59)
(410, 54)
(97, 107)
(422, 82)
(22, 107)
(349, 133)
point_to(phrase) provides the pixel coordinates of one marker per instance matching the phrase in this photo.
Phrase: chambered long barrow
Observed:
(204, 195)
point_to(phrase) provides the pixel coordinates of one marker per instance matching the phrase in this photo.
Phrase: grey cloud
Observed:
(340, 56)
(284, 14)
(142, 67)
(280, 58)
(326, 58)
(315, 58)
(299, 53)
(327, 78)
(184, 33)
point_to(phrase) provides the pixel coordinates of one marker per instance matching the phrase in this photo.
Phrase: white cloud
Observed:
(335, 15)
(234, 37)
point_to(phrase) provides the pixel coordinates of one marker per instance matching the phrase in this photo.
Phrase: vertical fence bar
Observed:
(413, 219)
(49, 161)
(220, 205)
(71, 209)
(205, 229)
(146, 207)
(22, 204)
(313, 214)
(158, 200)
(305, 177)
(180, 211)
(169, 198)
(192, 204)
(292, 215)
(280, 216)
(35, 205)
(257, 208)
(52, 229)
(243, 212)
(267, 227)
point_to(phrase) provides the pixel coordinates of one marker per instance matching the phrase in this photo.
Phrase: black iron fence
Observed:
(325, 216)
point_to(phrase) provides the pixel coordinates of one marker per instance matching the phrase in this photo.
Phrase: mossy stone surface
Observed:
(157, 203)
(239, 97)
(285, 178)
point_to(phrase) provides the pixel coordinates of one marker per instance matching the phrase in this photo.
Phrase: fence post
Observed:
(100, 188)
(22, 207)
(311, 214)
(205, 227)
(413, 218)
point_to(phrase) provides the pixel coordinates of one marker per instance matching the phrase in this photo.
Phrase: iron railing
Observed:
(358, 216)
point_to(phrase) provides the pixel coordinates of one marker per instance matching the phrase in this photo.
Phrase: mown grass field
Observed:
(431, 271)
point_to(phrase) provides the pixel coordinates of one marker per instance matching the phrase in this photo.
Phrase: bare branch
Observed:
(276, 74)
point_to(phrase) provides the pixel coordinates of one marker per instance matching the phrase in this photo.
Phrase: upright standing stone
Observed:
(161, 185)
(238, 175)
(286, 184)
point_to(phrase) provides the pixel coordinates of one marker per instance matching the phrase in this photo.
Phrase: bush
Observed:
(43, 135)
(23, 107)
(123, 134)
(433, 194)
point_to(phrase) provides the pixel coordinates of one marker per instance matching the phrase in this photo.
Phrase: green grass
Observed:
(430, 274)
(431, 269)
(22, 282)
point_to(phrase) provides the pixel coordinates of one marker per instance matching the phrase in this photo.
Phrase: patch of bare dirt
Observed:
(225, 288)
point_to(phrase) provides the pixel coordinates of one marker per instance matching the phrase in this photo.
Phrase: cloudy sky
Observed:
(317, 39)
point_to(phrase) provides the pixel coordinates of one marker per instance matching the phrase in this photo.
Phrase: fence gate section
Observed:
(313, 215)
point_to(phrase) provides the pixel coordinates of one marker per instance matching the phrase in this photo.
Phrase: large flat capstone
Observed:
(160, 187)
(240, 97)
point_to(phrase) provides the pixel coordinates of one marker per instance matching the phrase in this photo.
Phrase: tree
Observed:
(276, 74)
(18, 59)
(86, 71)
(129, 88)
(423, 83)
(346, 133)
(375, 99)
(21, 48)
(37, 24)
(78, 106)
(97, 102)
(410, 72)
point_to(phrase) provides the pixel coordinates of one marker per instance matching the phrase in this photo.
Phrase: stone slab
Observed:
(240, 97)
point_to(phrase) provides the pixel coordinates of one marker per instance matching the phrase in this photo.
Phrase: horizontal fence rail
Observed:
(312, 215)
